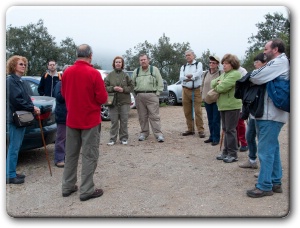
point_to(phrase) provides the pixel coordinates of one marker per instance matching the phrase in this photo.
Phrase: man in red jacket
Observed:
(84, 91)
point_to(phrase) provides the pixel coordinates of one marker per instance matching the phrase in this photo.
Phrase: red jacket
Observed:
(84, 91)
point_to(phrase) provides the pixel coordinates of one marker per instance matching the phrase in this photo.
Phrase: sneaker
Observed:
(257, 193)
(230, 159)
(111, 143)
(277, 188)
(243, 148)
(221, 156)
(160, 138)
(124, 142)
(249, 164)
(97, 193)
(142, 138)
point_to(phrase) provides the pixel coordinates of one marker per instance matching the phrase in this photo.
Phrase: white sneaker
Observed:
(160, 138)
(111, 143)
(142, 138)
(124, 142)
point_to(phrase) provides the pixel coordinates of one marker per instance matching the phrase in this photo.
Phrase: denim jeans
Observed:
(214, 121)
(16, 136)
(268, 154)
(251, 139)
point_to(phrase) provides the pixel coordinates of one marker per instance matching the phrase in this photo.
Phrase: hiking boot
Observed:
(97, 193)
(221, 156)
(111, 143)
(186, 133)
(277, 188)
(15, 180)
(257, 193)
(214, 143)
(201, 134)
(249, 164)
(66, 194)
(207, 141)
(230, 159)
(243, 148)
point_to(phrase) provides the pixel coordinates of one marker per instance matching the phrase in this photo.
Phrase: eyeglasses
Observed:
(51, 64)
(213, 63)
(22, 64)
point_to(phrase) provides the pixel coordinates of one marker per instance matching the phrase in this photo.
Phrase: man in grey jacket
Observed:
(270, 124)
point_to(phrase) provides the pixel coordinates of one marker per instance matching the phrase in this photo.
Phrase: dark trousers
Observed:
(214, 121)
(229, 122)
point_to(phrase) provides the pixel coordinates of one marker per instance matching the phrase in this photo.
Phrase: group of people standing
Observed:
(79, 120)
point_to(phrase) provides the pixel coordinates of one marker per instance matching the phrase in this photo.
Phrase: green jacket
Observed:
(119, 78)
(226, 88)
(146, 82)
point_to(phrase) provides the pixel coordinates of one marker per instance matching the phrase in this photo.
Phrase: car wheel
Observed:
(172, 99)
(105, 113)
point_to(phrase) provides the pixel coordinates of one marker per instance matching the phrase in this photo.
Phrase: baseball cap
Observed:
(215, 58)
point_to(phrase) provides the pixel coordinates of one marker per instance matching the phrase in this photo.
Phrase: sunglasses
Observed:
(22, 64)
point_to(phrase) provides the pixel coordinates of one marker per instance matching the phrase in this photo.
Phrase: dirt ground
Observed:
(178, 178)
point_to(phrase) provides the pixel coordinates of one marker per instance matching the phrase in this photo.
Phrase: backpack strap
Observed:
(138, 70)
(196, 63)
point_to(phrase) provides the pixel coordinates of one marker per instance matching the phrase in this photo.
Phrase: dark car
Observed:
(32, 138)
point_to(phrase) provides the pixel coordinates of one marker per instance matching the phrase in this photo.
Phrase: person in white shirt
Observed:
(190, 75)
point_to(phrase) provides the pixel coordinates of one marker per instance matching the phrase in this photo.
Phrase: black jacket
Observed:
(60, 108)
(17, 98)
(47, 84)
(252, 97)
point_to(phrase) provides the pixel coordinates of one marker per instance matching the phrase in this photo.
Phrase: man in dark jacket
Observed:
(49, 79)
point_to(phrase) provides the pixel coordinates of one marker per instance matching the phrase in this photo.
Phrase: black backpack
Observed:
(252, 97)
(196, 63)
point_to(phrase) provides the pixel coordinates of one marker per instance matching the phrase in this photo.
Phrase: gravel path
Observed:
(177, 178)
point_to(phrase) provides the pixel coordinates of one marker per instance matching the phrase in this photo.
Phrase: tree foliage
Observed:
(38, 46)
(167, 57)
(275, 26)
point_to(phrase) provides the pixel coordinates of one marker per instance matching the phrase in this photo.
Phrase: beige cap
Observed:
(216, 58)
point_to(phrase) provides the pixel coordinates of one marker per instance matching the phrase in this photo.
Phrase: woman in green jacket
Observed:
(228, 106)
(119, 83)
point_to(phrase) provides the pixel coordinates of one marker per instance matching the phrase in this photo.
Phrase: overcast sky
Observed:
(111, 30)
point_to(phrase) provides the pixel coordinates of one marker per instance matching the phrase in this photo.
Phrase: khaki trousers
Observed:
(147, 105)
(187, 109)
(119, 122)
(87, 140)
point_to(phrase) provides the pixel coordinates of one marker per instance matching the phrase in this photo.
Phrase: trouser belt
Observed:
(145, 92)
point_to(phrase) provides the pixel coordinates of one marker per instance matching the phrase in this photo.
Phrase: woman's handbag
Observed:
(110, 99)
(23, 118)
(212, 96)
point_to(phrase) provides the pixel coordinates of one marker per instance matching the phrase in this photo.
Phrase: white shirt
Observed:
(195, 71)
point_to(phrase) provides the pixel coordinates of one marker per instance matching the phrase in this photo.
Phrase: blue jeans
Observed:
(268, 154)
(214, 121)
(251, 139)
(16, 136)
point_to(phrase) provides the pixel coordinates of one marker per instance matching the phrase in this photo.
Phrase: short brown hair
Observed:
(118, 57)
(232, 60)
(12, 63)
